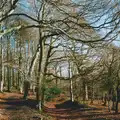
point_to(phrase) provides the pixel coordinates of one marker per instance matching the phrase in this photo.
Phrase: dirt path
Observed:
(94, 112)
(13, 107)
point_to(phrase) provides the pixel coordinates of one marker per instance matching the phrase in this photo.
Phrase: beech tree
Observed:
(58, 22)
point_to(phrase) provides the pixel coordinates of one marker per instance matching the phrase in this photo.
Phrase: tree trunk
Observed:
(116, 107)
(8, 79)
(71, 91)
(26, 89)
(71, 84)
(56, 81)
(2, 81)
(32, 65)
(92, 95)
(113, 105)
(86, 92)
(13, 78)
(8, 68)
(109, 108)
(117, 99)
(40, 76)
(1, 69)
(105, 100)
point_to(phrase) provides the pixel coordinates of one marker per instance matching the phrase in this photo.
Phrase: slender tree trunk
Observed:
(1, 68)
(33, 62)
(56, 81)
(1, 79)
(109, 108)
(71, 90)
(86, 92)
(8, 79)
(92, 94)
(26, 89)
(71, 84)
(117, 99)
(40, 76)
(20, 65)
(8, 68)
(13, 78)
(113, 105)
(105, 100)
(18, 81)
(4, 76)
(60, 68)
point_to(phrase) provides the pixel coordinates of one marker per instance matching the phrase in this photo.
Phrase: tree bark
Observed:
(86, 92)
(26, 89)
(92, 94)
(1, 68)
(117, 99)
(71, 84)
(105, 100)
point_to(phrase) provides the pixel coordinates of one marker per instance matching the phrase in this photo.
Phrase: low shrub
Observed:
(51, 93)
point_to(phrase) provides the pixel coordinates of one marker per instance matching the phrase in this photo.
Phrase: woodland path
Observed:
(64, 111)
(13, 107)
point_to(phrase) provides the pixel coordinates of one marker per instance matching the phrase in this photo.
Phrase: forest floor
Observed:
(13, 107)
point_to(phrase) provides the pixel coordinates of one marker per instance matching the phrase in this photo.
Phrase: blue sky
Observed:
(26, 6)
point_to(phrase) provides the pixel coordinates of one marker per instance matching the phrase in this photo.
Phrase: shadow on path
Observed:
(13, 103)
(75, 111)
(18, 109)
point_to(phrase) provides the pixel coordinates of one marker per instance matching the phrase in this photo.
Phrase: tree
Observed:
(64, 22)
